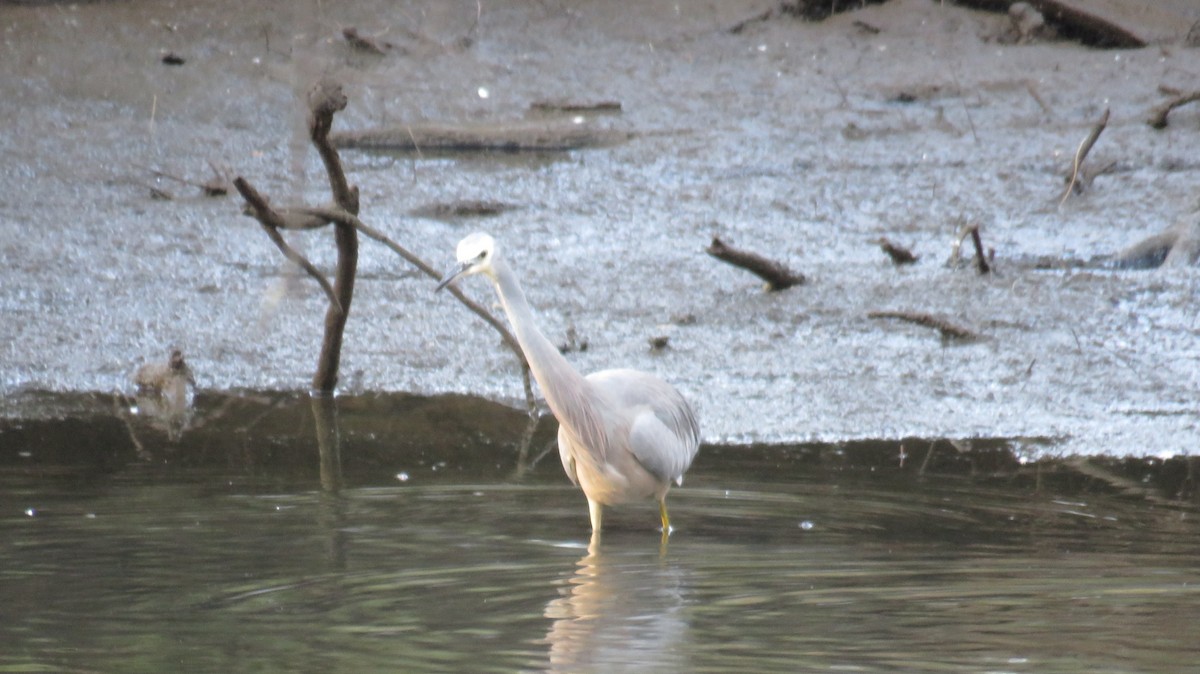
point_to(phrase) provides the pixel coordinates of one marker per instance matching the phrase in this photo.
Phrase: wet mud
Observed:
(810, 141)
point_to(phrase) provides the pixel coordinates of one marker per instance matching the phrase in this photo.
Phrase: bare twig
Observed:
(271, 223)
(340, 216)
(1158, 119)
(325, 100)
(947, 329)
(971, 230)
(777, 276)
(981, 262)
(1081, 154)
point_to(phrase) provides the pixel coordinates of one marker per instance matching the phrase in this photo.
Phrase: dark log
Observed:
(1071, 22)
(777, 276)
(537, 136)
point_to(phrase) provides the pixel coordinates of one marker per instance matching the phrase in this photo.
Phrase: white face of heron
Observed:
(475, 253)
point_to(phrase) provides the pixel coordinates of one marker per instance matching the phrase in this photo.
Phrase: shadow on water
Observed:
(403, 533)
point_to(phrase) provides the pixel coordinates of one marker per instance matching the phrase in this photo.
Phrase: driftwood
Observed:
(899, 254)
(1174, 246)
(1077, 180)
(777, 276)
(527, 136)
(569, 106)
(1158, 119)
(1071, 22)
(981, 260)
(948, 330)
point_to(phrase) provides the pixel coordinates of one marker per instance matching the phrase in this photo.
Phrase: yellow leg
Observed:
(594, 509)
(666, 521)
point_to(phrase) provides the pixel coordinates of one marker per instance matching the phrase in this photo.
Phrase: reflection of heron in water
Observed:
(623, 435)
(619, 613)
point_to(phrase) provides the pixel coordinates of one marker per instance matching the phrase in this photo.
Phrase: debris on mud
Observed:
(899, 254)
(982, 261)
(1158, 119)
(777, 276)
(570, 106)
(523, 136)
(1177, 245)
(463, 208)
(1079, 179)
(365, 43)
(1072, 21)
(948, 331)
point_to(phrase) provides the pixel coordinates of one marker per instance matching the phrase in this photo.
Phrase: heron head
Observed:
(475, 254)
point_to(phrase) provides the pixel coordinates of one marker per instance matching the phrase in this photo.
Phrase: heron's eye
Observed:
(481, 255)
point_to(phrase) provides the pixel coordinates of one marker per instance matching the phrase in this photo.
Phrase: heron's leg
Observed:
(662, 512)
(594, 509)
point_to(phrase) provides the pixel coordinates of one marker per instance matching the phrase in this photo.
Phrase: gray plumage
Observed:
(623, 435)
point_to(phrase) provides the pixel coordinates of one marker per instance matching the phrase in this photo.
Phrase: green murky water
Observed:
(220, 551)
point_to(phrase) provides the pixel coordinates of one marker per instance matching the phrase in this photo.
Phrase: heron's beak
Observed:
(451, 275)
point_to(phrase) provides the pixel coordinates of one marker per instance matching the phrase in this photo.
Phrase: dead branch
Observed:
(948, 330)
(1070, 21)
(365, 44)
(271, 223)
(777, 276)
(1158, 119)
(899, 254)
(525, 136)
(216, 186)
(1179, 244)
(324, 101)
(340, 216)
(1081, 154)
(575, 106)
(981, 260)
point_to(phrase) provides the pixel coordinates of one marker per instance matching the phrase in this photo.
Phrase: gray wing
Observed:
(663, 433)
(564, 454)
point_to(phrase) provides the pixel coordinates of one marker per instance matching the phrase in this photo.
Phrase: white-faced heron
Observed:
(623, 435)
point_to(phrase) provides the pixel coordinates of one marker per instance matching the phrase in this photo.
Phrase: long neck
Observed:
(566, 391)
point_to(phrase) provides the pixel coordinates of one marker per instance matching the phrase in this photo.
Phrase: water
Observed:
(221, 551)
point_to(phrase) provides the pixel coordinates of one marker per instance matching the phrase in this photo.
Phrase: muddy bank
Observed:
(808, 141)
(390, 439)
